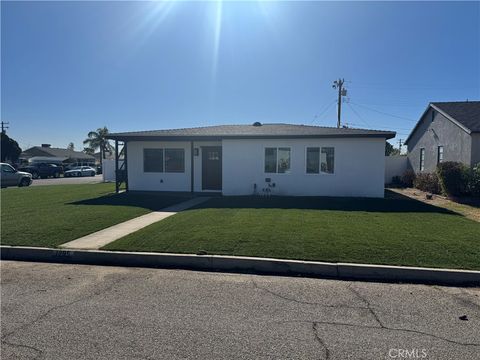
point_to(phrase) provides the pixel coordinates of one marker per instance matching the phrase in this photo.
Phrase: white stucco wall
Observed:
(359, 168)
(139, 180)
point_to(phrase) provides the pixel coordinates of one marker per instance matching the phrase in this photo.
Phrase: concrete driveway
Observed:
(91, 312)
(68, 180)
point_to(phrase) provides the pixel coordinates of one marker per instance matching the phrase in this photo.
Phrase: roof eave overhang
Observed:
(121, 137)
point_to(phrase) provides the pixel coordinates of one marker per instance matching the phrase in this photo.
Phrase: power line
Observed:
(317, 116)
(380, 125)
(396, 105)
(420, 86)
(358, 115)
(384, 113)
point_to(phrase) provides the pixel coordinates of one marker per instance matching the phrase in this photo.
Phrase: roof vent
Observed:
(46, 145)
(257, 123)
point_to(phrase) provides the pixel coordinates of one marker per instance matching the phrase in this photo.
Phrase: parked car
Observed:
(11, 177)
(43, 170)
(80, 171)
(74, 166)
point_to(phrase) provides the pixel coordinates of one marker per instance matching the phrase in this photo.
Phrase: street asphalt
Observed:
(68, 180)
(54, 311)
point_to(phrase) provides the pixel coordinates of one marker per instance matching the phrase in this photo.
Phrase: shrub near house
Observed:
(474, 181)
(453, 177)
(427, 182)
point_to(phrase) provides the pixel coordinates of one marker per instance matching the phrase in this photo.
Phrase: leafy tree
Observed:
(97, 140)
(10, 149)
(89, 151)
(71, 146)
(390, 150)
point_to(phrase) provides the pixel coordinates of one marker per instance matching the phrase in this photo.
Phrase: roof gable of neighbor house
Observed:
(465, 114)
(56, 152)
(250, 131)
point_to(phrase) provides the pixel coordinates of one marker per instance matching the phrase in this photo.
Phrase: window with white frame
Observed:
(277, 160)
(164, 160)
(422, 159)
(320, 160)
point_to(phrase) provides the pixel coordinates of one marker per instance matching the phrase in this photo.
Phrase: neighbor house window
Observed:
(433, 115)
(422, 159)
(174, 160)
(153, 160)
(440, 154)
(164, 160)
(320, 160)
(277, 160)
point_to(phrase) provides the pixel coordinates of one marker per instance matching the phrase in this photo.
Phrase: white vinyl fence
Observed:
(108, 169)
(395, 166)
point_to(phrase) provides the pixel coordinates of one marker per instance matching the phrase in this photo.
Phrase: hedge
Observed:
(453, 177)
(427, 182)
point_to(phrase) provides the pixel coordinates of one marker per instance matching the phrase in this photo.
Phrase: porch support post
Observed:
(191, 167)
(117, 184)
(125, 163)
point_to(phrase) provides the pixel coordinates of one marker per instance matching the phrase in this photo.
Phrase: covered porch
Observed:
(181, 166)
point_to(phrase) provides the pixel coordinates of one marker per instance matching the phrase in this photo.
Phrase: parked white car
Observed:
(11, 177)
(80, 171)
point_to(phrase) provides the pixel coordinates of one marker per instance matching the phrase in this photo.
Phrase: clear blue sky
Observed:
(71, 67)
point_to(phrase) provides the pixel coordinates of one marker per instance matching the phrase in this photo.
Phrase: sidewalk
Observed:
(103, 237)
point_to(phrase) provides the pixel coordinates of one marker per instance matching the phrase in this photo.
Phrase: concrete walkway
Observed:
(103, 237)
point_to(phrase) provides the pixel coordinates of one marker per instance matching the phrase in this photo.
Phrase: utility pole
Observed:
(338, 84)
(400, 145)
(4, 127)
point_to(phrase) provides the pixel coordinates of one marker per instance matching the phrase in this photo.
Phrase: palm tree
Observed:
(97, 140)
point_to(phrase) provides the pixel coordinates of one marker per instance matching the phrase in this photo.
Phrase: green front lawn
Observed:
(53, 215)
(396, 231)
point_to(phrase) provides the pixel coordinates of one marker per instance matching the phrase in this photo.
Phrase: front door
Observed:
(211, 168)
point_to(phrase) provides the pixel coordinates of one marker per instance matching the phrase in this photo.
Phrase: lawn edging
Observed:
(345, 271)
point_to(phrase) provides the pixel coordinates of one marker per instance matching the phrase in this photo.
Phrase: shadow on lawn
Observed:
(148, 200)
(392, 202)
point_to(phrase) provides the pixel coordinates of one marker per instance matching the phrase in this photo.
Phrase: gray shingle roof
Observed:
(251, 131)
(466, 113)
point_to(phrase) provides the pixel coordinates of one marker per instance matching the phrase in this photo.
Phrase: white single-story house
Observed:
(274, 159)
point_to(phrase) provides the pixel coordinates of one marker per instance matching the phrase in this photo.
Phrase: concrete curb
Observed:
(236, 264)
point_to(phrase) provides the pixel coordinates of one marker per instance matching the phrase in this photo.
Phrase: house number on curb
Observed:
(63, 253)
